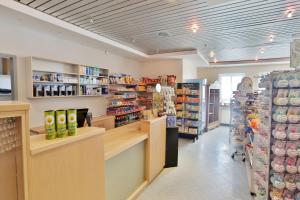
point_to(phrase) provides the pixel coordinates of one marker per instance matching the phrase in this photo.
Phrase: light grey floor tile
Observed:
(205, 172)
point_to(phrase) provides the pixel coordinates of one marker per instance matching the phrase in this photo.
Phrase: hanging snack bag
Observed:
(72, 121)
(49, 120)
(61, 126)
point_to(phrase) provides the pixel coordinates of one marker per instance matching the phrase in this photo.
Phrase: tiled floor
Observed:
(205, 172)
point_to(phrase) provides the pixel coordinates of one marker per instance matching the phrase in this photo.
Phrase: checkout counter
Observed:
(95, 164)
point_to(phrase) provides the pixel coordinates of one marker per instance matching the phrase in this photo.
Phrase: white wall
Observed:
(212, 74)
(154, 68)
(253, 71)
(25, 39)
(190, 69)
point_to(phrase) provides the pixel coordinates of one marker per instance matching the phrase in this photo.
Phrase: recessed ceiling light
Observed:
(271, 37)
(212, 54)
(163, 34)
(262, 50)
(195, 28)
(289, 13)
(256, 58)
(215, 60)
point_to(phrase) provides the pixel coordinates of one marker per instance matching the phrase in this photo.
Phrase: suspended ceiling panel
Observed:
(234, 30)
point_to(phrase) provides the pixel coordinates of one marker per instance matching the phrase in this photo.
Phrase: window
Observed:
(229, 84)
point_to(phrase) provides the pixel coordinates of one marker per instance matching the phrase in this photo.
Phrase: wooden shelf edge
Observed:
(39, 144)
(108, 154)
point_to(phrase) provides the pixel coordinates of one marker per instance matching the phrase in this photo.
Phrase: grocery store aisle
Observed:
(206, 172)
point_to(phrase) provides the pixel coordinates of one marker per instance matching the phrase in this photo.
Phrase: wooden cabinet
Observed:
(14, 133)
(70, 168)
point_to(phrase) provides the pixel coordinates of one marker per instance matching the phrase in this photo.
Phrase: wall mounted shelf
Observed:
(55, 79)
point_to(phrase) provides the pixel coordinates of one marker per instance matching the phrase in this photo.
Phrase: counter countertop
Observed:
(39, 144)
(13, 106)
(120, 139)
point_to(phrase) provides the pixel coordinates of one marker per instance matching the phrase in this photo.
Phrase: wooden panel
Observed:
(125, 173)
(107, 122)
(8, 181)
(156, 146)
(72, 172)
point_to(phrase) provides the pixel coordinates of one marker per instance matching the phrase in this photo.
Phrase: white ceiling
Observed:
(235, 30)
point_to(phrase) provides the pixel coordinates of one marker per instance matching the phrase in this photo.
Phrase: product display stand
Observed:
(260, 160)
(190, 109)
(172, 147)
(283, 174)
(123, 104)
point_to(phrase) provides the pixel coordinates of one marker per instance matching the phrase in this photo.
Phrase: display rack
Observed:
(261, 147)
(284, 135)
(56, 79)
(189, 108)
(123, 102)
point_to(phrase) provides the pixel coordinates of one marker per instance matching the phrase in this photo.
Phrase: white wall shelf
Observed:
(36, 67)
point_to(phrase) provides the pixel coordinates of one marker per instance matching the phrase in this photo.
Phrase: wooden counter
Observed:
(120, 139)
(70, 168)
(39, 144)
(138, 149)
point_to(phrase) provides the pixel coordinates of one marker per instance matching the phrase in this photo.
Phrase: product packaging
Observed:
(49, 119)
(72, 121)
(61, 126)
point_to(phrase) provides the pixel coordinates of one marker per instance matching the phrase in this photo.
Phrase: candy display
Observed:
(284, 137)
(189, 109)
(123, 102)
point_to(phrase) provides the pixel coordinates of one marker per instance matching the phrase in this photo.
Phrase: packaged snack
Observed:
(290, 182)
(293, 114)
(294, 80)
(297, 180)
(279, 131)
(281, 81)
(61, 125)
(282, 97)
(280, 114)
(291, 165)
(294, 97)
(278, 148)
(277, 179)
(72, 121)
(276, 194)
(288, 195)
(293, 132)
(49, 120)
(278, 164)
(291, 149)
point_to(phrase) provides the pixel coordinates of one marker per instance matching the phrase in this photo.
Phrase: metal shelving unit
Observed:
(190, 107)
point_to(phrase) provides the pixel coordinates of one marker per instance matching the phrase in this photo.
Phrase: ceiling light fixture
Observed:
(215, 60)
(256, 58)
(195, 28)
(212, 54)
(262, 50)
(271, 37)
(289, 13)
